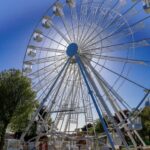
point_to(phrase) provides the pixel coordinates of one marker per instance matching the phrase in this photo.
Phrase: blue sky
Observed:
(17, 21)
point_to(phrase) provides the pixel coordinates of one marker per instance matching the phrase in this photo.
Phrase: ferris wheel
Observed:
(83, 61)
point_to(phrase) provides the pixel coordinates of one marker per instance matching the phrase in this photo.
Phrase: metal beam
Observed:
(82, 69)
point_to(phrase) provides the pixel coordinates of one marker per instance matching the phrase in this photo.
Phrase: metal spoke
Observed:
(130, 44)
(107, 14)
(44, 70)
(53, 40)
(133, 82)
(61, 34)
(84, 24)
(61, 100)
(89, 26)
(48, 49)
(57, 91)
(95, 28)
(66, 27)
(110, 88)
(123, 14)
(119, 30)
(43, 81)
(111, 23)
(44, 59)
(120, 59)
(74, 19)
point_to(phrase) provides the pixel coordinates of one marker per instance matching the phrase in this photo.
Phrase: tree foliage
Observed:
(16, 101)
(99, 127)
(21, 115)
(145, 132)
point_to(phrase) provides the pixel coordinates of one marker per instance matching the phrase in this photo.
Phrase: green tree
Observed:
(99, 127)
(145, 132)
(20, 117)
(16, 101)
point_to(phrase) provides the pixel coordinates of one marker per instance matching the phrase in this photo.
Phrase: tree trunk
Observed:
(2, 137)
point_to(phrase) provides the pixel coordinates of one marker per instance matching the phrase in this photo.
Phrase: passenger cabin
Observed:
(27, 68)
(46, 22)
(37, 36)
(31, 51)
(146, 6)
(71, 3)
(58, 9)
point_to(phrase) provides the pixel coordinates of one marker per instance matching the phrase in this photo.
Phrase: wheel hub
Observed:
(72, 49)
